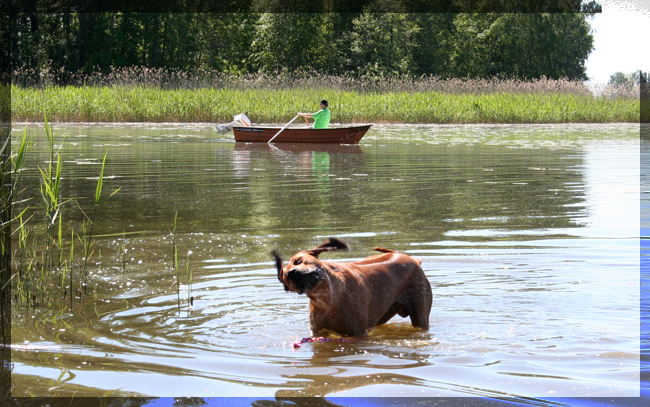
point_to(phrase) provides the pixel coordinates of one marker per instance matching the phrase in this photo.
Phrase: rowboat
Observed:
(332, 135)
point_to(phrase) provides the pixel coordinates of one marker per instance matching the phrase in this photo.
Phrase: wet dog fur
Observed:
(350, 298)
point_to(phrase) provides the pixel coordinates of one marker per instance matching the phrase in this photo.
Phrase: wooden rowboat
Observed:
(335, 135)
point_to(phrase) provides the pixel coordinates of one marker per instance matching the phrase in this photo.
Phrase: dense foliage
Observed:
(366, 45)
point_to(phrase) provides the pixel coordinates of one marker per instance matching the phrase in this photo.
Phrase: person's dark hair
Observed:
(325, 102)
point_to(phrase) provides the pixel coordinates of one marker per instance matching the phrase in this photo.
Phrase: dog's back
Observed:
(382, 257)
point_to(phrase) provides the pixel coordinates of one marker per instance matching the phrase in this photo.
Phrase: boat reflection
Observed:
(308, 159)
(301, 147)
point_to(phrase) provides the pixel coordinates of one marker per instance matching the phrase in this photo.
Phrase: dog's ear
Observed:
(330, 244)
(278, 265)
(278, 260)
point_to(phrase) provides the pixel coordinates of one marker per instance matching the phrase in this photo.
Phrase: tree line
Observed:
(365, 44)
(636, 78)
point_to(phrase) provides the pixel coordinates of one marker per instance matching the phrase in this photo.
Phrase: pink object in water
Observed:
(299, 343)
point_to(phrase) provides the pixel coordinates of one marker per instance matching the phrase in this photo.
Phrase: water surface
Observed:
(529, 236)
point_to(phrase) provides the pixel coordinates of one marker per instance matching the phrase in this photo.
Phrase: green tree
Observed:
(144, 39)
(183, 40)
(521, 46)
(383, 44)
(227, 40)
(381, 41)
(632, 79)
(619, 78)
(639, 77)
(25, 42)
(432, 44)
(289, 41)
(336, 34)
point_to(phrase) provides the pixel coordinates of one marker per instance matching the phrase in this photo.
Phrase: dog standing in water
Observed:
(350, 298)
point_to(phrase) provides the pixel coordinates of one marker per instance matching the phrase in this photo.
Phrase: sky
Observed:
(621, 39)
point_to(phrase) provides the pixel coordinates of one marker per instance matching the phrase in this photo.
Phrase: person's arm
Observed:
(306, 115)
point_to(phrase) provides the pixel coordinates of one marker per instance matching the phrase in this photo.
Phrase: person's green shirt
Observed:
(322, 119)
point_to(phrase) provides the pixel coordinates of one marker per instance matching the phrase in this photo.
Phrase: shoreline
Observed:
(375, 124)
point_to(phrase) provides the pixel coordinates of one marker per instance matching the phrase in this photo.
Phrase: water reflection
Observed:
(242, 163)
(302, 161)
(332, 367)
(514, 231)
(295, 402)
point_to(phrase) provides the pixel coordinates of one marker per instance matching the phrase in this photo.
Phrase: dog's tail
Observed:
(381, 249)
(334, 243)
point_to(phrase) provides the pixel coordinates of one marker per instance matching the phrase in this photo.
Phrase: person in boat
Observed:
(321, 117)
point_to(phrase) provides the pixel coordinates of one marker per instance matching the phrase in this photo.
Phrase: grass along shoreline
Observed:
(150, 104)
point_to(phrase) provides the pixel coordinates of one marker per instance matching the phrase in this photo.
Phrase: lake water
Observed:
(529, 236)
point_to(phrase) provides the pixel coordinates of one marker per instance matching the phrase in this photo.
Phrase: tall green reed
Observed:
(88, 237)
(176, 268)
(123, 250)
(42, 267)
(175, 261)
(190, 280)
(10, 174)
(50, 194)
(264, 105)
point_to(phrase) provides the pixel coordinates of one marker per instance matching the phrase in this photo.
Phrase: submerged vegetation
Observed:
(51, 260)
(47, 271)
(150, 95)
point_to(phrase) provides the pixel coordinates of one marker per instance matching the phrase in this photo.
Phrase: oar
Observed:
(276, 134)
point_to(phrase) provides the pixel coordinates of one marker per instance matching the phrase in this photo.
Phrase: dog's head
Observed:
(305, 271)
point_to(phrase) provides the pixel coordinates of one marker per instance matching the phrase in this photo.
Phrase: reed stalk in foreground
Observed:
(123, 251)
(175, 261)
(176, 268)
(87, 239)
(50, 191)
(190, 297)
(71, 263)
(9, 184)
(42, 269)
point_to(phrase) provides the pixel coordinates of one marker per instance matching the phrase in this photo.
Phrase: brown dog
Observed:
(350, 298)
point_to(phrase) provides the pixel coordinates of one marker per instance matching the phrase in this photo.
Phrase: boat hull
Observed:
(332, 135)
